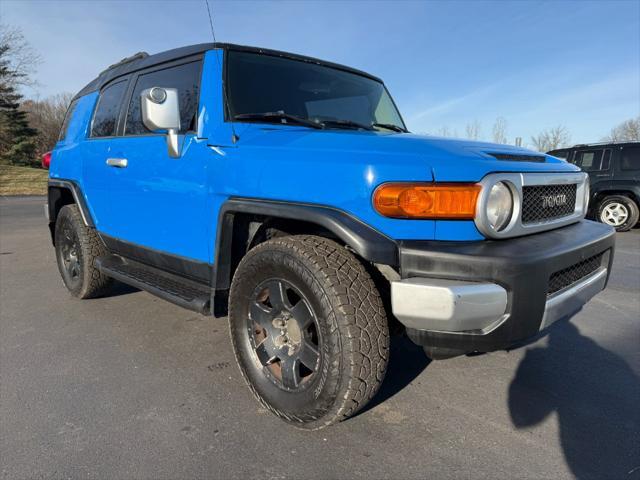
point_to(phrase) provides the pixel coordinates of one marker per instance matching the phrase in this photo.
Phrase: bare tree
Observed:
(445, 132)
(500, 130)
(551, 139)
(21, 59)
(558, 137)
(47, 116)
(472, 130)
(627, 131)
(540, 142)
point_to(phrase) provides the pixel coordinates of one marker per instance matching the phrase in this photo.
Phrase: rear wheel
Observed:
(619, 211)
(77, 247)
(309, 329)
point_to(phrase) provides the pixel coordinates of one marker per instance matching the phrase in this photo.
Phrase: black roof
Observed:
(597, 144)
(606, 144)
(143, 60)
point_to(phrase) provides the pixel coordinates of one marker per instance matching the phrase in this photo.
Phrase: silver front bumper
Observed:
(447, 305)
(457, 306)
(570, 300)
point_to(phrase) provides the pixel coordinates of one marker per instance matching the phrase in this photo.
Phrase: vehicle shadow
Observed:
(119, 288)
(406, 361)
(596, 396)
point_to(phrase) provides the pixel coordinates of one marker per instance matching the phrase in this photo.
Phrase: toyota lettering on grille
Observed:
(550, 201)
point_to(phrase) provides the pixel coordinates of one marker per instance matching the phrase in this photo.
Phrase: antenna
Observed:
(234, 136)
(213, 33)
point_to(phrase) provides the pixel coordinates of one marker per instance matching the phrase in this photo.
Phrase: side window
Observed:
(105, 119)
(67, 120)
(186, 78)
(589, 160)
(630, 158)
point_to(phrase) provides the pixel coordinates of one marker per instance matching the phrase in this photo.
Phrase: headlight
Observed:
(499, 206)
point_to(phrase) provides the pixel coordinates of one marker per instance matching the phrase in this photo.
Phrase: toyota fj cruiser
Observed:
(286, 192)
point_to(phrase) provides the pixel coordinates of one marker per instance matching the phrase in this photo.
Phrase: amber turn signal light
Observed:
(427, 200)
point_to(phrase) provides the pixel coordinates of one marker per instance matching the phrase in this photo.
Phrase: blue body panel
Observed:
(157, 201)
(172, 205)
(66, 160)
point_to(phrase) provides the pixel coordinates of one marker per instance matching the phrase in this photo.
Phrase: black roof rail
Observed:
(135, 56)
(600, 144)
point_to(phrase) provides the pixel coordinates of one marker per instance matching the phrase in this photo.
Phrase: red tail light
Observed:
(46, 160)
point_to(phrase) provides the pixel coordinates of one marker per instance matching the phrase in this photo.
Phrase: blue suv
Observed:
(286, 193)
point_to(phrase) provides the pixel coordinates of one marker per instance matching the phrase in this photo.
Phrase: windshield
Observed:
(259, 84)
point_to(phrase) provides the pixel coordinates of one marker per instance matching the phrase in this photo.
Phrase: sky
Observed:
(537, 64)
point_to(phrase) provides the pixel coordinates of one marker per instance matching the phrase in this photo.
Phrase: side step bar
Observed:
(173, 288)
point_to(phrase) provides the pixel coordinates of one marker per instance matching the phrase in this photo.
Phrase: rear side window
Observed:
(67, 120)
(186, 78)
(105, 119)
(630, 158)
(589, 160)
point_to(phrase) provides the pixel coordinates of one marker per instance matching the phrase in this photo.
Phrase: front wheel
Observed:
(619, 211)
(309, 329)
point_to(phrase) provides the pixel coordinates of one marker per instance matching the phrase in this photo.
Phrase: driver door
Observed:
(150, 199)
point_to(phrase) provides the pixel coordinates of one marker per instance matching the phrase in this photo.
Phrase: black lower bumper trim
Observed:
(523, 266)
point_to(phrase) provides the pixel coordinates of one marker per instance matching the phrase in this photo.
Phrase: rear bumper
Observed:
(490, 295)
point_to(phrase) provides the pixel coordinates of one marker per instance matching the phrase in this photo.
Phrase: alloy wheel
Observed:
(70, 250)
(284, 334)
(614, 214)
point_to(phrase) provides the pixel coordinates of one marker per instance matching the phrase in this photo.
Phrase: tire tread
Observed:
(95, 283)
(361, 319)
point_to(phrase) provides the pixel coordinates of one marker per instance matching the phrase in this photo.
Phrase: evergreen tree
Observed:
(17, 138)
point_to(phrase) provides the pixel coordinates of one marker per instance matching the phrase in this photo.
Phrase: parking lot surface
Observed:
(130, 386)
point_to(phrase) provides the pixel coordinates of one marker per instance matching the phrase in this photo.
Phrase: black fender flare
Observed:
(605, 189)
(366, 241)
(56, 200)
(53, 196)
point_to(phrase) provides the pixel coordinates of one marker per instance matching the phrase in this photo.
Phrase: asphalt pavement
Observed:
(130, 386)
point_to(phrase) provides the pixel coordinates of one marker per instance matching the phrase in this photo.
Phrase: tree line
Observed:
(30, 127)
(548, 139)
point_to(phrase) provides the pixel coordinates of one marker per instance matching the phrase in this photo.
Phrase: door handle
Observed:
(117, 162)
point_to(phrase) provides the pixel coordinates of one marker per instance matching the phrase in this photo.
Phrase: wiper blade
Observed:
(390, 126)
(347, 123)
(284, 117)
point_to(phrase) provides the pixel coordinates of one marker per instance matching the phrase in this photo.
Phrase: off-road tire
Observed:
(351, 316)
(625, 203)
(87, 281)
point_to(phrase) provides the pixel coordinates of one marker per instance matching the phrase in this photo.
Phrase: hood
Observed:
(448, 159)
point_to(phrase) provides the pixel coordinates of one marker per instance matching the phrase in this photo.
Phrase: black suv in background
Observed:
(614, 174)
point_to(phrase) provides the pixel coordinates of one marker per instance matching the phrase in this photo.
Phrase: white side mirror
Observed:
(161, 111)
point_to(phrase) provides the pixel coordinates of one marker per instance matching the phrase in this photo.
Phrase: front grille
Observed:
(576, 272)
(547, 202)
